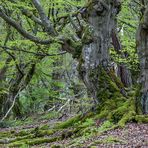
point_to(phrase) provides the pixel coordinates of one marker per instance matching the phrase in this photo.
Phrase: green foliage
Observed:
(88, 122)
(105, 126)
(127, 24)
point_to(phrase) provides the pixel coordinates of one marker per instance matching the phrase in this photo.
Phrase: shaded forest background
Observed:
(81, 60)
(43, 77)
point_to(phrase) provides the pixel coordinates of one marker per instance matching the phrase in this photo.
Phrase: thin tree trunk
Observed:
(122, 71)
(2, 79)
(18, 84)
(125, 75)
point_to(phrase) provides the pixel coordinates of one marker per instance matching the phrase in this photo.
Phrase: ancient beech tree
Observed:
(93, 25)
(142, 47)
(92, 49)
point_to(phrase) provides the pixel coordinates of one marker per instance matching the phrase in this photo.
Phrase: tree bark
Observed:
(17, 84)
(122, 71)
(95, 55)
(142, 47)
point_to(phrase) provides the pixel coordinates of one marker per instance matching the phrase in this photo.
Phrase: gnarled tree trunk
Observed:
(142, 47)
(95, 55)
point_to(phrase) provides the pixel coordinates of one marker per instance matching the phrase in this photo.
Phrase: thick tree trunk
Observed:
(95, 55)
(142, 47)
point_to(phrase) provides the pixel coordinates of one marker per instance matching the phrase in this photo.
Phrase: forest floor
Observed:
(89, 134)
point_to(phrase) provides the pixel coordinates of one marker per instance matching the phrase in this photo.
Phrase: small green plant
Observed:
(105, 126)
(89, 122)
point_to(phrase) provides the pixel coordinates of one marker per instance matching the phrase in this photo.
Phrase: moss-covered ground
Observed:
(106, 125)
(87, 130)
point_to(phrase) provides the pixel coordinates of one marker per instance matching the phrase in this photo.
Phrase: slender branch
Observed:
(13, 103)
(14, 59)
(45, 21)
(31, 16)
(64, 105)
(23, 32)
(30, 52)
(3, 70)
(128, 24)
(51, 109)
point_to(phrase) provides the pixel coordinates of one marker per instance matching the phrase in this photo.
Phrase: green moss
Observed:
(127, 117)
(42, 140)
(5, 134)
(68, 134)
(124, 113)
(103, 114)
(18, 143)
(108, 140)
(113, 105)
(44, 132)
(105, 126)
(23, 133)
(138, 100)
(116, 80)
(107, 87)
(49, 115)
(56, 146)
(141, 118)
(78, 49)
(93, 146)
(44, 127)
(67, 123)
(112, 139)
(87, 35)
(86, 116)
(89, 122)
(35, 141)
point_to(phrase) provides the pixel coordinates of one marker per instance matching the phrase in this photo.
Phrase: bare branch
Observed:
(14, 59)
(23, 32)
(13, 103)
(128, 24)
(45, 21)
(67, 102)
(30, 52)
(31, 16)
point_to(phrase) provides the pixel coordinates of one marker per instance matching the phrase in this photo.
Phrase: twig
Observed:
(30, 52)
(51, 108)
(64, 105)
(11, 106)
